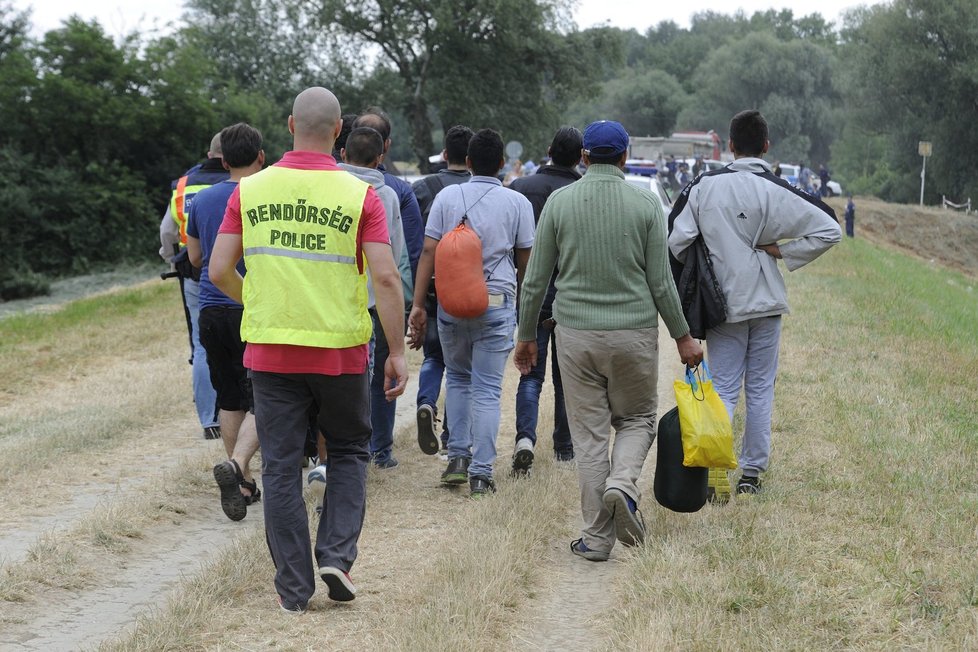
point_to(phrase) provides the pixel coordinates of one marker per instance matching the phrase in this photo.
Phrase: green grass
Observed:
(865, 535)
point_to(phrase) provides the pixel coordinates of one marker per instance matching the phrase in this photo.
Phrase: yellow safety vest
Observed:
(178, 204)
(304, 285)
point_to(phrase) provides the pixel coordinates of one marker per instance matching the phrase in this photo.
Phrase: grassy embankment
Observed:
(866, 535)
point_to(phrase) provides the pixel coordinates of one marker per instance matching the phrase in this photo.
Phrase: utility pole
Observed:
(924, 148)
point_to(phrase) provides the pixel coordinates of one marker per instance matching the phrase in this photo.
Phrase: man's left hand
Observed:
(771, 249)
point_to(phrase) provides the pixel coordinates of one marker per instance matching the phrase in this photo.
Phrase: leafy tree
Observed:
(790, 82)
(646, 102)
(911, 76)
(498, 63)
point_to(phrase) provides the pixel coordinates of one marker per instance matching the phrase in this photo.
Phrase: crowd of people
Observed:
(302, 273)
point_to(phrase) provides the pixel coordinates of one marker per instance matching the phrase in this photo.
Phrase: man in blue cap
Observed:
(608, 238)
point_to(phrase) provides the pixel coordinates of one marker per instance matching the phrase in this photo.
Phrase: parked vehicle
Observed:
(789, 172)
(653, 184)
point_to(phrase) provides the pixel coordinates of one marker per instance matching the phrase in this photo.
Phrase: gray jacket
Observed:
(739, 207)
(392, 206)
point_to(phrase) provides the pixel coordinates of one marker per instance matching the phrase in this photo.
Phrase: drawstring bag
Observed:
(462, 290)
(704, 422)
(677, 487)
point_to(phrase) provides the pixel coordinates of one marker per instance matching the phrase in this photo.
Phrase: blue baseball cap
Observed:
(605, 138)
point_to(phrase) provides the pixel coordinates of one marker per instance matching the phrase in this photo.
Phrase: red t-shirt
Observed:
(293, 359)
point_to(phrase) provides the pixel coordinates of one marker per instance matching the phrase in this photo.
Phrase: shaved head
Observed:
(215, 150)
(316, 115)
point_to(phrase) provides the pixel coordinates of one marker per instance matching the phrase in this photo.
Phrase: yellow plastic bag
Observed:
(704, 422)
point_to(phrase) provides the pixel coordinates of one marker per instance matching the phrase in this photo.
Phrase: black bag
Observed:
(677, 487)
(181, 263)
(699, 292)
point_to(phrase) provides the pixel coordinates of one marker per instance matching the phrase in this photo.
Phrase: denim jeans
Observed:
(528, 396)
(205, 396)
(382, 411)
(433, 367)
(475, 353)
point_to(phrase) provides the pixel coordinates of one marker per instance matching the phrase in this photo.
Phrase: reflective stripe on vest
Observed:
(305, 284)
(178, 204)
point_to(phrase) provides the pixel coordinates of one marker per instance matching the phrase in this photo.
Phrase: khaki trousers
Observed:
(610, 382)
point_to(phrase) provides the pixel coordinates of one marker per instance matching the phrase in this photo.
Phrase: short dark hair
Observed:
(348, 119)
(485, 152)
(565, 149)
(374, 116)
(604, 159)
(748, 131)
(363, 146)
(240, 144)
(457, 144)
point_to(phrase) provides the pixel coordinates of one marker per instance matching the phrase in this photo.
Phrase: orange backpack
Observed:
(459, 280)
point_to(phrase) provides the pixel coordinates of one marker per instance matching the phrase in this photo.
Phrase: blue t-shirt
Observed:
(203, 223)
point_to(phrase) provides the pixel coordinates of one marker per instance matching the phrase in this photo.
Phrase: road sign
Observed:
(924, 148)
(513, 149)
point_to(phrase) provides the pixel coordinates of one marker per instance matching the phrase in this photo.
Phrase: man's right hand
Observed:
(395, 376)
(690, 351)
(525, 356)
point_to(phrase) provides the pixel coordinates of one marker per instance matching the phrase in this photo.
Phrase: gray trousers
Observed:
(609, 382)
(745, 355)
(282, 407)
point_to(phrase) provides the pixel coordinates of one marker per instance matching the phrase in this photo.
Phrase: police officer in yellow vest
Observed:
(173, 235)
(308, 231)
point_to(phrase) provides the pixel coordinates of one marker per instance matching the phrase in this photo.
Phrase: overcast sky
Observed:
(121, 17)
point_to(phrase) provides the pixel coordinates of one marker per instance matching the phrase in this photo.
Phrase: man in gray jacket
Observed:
(749, 218)
(362, 154)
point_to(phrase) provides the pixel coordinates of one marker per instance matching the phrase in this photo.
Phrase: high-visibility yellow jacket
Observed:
(305, 285)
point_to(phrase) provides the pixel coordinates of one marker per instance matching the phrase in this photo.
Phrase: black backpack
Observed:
(677, 487)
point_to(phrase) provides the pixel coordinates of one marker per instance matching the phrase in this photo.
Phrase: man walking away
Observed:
(433, 368)
(608, 239)
(382, 411)
(307, 327)
(220, 325)
(749, 218)
(476, 348)
(362, 152)
(173, 234)
(565, 154)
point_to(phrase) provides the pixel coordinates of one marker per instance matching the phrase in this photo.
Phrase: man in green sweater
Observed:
(608, 238)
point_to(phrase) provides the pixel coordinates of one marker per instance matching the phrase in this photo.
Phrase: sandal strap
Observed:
(237, 471)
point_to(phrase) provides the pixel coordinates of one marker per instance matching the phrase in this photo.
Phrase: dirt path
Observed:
(569, 617)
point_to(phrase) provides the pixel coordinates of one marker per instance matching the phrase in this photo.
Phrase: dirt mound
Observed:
(944, 237)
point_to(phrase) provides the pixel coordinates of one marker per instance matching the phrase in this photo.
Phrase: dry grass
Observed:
(865, 537)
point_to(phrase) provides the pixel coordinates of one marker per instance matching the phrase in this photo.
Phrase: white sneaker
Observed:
(523, 456)
(317, 475)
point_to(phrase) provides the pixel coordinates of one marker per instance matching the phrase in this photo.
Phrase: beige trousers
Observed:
(609, 382)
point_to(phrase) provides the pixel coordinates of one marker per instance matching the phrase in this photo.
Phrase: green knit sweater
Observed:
(608, 239)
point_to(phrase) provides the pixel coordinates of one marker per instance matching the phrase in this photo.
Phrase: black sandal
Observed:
(253, 488)
(229, 478)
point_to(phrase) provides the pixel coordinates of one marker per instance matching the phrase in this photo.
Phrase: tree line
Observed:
(93, 129)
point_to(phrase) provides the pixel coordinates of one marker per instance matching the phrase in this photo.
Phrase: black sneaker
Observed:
(339, 583)
(212, 432)
(457, 471)
(428, 440)
(748, 485)
(481, 485)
